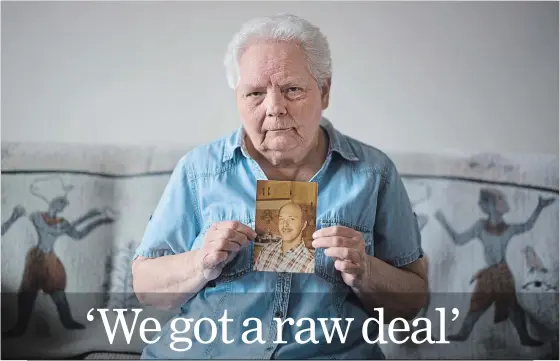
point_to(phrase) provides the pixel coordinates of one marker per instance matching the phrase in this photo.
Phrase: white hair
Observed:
(281, 27)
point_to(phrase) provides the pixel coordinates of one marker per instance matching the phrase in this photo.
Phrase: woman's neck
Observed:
(301, 171)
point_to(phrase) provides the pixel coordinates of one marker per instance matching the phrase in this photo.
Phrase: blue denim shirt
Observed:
(358, 186)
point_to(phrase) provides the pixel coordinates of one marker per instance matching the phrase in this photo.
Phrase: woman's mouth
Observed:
(280, 130)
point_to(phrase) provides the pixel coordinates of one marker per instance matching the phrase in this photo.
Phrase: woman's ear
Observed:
(325, 92)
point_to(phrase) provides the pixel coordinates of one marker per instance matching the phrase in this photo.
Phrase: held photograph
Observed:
(285, 222)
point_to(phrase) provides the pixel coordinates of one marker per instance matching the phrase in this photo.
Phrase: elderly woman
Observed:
(197, 251)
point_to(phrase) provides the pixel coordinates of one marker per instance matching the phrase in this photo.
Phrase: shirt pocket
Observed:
(239, 266)
(324, 265)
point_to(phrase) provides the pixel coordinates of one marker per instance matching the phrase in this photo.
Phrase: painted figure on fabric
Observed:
(534, 262)
(495, 283)
(18, 212)
(537, 270)
(43, 269)
(540, 281)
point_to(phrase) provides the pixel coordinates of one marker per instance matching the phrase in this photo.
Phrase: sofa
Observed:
(50, 302)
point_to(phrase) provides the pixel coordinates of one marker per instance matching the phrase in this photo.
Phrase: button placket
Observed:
(279, 310)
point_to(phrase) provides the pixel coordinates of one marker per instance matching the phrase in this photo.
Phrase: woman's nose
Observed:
(276, 104)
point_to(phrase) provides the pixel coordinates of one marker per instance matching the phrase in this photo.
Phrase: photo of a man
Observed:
(286, 212)
(289, 254)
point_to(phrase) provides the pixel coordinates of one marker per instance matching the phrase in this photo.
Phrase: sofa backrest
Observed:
(117, 188)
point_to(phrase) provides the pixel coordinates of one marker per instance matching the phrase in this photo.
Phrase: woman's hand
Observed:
(348, 248)
(221, 244)
(402, 291)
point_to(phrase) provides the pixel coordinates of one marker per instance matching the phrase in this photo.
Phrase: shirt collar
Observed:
(277, 247)
(338, 143)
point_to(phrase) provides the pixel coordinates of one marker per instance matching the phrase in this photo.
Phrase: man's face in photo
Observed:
(290, 222)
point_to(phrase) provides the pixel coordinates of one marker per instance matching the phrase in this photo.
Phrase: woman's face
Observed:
(279, 101)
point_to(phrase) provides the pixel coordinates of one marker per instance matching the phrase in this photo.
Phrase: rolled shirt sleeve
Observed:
(173, 225)
(396, 232)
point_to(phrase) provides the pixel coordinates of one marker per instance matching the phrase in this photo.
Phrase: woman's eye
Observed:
(294, 92)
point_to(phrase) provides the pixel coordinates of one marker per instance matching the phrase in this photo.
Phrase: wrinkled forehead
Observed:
(263, 62)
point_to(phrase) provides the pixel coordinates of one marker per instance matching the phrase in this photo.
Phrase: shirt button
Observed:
(278, 314)
(269, 348)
